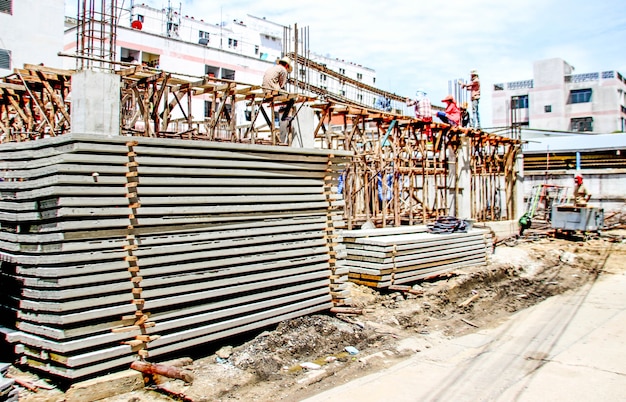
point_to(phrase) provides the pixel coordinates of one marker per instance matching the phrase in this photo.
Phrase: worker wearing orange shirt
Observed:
(452, 115)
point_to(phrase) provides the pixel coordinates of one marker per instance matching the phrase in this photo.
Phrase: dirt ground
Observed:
(304, 356)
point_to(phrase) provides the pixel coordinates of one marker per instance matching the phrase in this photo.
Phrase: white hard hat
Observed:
(287, 61)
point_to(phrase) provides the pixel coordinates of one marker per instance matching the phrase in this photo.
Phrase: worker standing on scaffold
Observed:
(474, 87)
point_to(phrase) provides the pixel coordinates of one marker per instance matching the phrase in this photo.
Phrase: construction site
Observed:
(137, 233)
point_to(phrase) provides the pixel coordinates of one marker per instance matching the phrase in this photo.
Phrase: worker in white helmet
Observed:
(474, 87)
(423, 111)
(275, 77)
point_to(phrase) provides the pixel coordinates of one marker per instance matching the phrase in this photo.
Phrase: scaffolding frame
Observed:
(404, 171)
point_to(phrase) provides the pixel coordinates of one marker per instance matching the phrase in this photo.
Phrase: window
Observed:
(228, 74)
(342, 92)
(342, 71)
(374, 80)
(140, 18)
(256, 49)
(580, 96)
(547, 108)
(323, 77)
(582, 124)
(5, 59)
(172, 29)
(232, 43)
(202, 34)
(207, 108)
(302, 73)
(359, 97)
(359, 76)
(519, 102)
(211, 71)
(6, 6)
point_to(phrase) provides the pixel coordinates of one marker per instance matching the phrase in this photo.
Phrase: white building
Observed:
(556, 99)
(31, 32)
(240, 50)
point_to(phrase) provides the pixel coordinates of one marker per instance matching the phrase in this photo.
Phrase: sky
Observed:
(417, 44)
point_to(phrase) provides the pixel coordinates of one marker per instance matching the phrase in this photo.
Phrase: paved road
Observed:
(568, 348)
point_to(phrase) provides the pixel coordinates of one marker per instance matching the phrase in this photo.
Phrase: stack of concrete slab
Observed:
(119, 247)
(383, 257)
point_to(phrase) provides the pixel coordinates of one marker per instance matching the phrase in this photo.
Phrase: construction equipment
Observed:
(572, 218)
(541, 202)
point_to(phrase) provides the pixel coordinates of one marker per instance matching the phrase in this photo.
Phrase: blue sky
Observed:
(424, 44)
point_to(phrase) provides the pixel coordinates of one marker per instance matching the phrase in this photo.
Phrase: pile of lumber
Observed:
(118, 247)
(380, 258)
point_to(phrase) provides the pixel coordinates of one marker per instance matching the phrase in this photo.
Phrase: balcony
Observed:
(582, 77)
(514, 85)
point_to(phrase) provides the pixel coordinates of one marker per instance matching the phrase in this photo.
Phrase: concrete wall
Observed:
(33, 33)
(606, 186)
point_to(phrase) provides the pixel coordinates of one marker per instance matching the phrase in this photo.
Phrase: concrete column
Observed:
(464, 180)
(518, 190)
(96, 103)
(303, 126)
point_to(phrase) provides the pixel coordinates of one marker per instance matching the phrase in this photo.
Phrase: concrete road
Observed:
(571, 347)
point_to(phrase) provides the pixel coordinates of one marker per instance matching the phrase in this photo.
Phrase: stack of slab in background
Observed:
(383, 257)
(119, 247)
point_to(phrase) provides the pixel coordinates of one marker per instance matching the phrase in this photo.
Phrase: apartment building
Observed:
(557, 99)
(25, 37)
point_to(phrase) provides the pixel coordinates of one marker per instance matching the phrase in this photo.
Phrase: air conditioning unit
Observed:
(203, 41)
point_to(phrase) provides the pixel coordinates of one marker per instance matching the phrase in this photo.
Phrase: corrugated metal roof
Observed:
(575, 143)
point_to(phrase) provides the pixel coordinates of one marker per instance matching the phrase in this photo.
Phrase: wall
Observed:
(606, 186)
(28, 37)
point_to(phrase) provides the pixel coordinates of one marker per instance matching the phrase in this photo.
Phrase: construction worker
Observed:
(452, 115)
(423, 110)
(581, 195)
(474, 87)
(465, 117)
(275, 77)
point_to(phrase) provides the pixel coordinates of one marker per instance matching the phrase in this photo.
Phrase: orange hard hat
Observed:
(448, 98)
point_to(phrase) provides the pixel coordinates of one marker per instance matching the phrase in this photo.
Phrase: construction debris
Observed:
(162, 369)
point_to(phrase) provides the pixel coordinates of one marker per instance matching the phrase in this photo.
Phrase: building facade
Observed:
(240, 50)
(25, 39)
(556, 99)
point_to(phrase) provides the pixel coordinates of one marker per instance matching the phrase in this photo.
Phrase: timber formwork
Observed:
(404, 171)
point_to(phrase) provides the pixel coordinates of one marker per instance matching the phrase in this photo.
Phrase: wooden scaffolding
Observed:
(404, 171)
